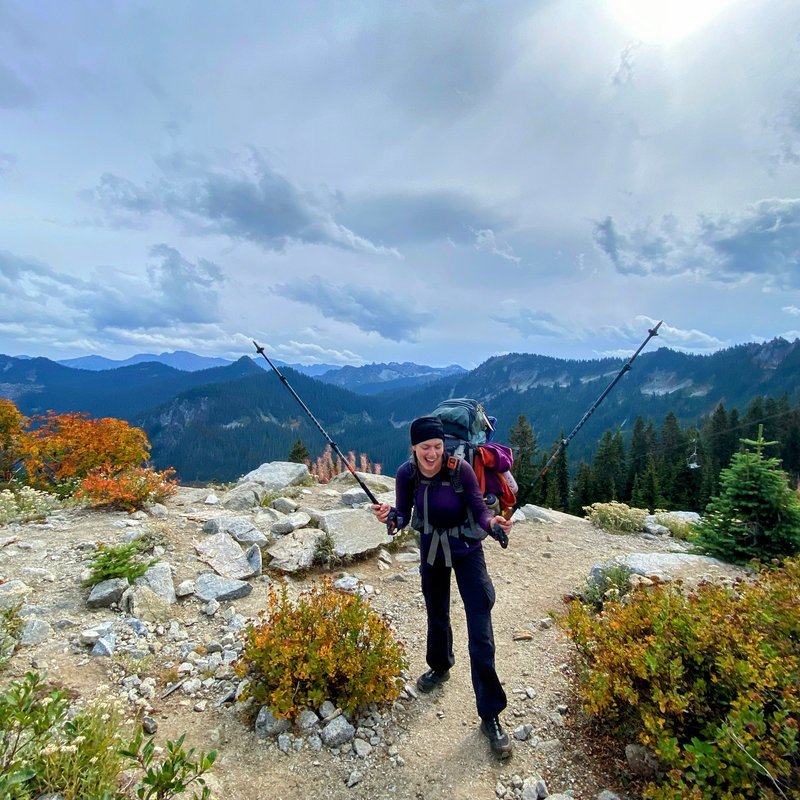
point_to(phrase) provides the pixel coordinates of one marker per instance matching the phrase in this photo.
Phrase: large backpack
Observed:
(466, 432)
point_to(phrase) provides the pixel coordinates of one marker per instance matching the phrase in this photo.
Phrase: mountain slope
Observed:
(374, 378)
(38, 385)
(219, 423)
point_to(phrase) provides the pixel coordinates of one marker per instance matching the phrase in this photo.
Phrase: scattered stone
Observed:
(284, 504)
(244, 497)
(107, 592)
(210, 586)
(291, 522)
(159, 579)
(337, 732)
(142, 602)
(224, 555)
(276, 475)
(105, 645)
(641, 761)
(354, 778)
(149, 725)
(267, 724)
(35, 631)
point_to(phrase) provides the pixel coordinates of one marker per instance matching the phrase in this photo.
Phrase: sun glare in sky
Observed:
(665, 21)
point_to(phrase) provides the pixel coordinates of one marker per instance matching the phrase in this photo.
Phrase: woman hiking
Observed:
(448, 520)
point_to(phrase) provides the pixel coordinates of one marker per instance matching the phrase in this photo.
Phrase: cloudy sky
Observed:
(438, 182)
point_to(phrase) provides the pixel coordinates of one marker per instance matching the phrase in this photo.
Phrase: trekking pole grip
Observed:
(501, 536)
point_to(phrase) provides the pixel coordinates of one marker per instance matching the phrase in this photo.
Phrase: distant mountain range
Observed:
(368, 379)
(218, 423)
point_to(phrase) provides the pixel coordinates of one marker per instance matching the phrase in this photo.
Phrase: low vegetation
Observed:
(99, 461)
(49, 747)
(708, 680)
(121, 561)
(616, 517)
(24, 503)
(325, 645)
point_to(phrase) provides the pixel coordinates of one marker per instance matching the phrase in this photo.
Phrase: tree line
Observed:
(654, 466)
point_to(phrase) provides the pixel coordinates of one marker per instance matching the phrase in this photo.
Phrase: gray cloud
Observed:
(173, 292)
(14, 93)
(687, 339)
(418, 217)
(372, 311)
(763, 241)
(536, 323)
(176, 291)
(440, 59)
(255, 204)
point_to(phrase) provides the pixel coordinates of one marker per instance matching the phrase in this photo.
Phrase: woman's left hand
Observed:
(505, 524)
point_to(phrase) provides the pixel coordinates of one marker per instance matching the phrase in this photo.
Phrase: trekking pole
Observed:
(564, 443)
(322, 430)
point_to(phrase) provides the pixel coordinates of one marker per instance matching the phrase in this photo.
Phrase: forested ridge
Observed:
(219, 423)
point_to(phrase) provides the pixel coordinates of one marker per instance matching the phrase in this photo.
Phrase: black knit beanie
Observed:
(426, 428)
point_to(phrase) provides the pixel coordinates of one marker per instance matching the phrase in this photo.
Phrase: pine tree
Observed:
(608, 468)
(641, 449)
(557, 492)
(756, 514)
(299, 453)
(648, 493)
(581, 494)
(522, 441)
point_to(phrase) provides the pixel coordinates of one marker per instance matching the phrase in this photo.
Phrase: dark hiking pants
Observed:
(477, 593)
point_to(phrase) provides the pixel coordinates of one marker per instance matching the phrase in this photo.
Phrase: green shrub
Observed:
(616, 516)
(47, 748)
(679, 528)
(120, 561)
(10, 626)
(708, 680)
(756, 514)
(179, 769)
(610, 585)
(325, 552)
(327, 645)
(26, 503)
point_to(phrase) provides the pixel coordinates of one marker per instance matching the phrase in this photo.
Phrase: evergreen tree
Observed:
(640, 451)
(522, 441)
(673, 452)
(560, 469)
(753, 417)
(756, 514)
(608, 468)
(539, 493)
(299, 453)
(648, 492)
(581, 494)
(557, 491)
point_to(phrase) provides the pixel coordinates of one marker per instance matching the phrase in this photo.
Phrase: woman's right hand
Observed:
(381, 511)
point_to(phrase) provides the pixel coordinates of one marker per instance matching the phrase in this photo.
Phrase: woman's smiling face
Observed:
(429, 456)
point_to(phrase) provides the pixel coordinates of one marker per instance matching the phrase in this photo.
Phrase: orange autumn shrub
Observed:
(64, 448)
(126, 489)
(325, 645)
(11, 425)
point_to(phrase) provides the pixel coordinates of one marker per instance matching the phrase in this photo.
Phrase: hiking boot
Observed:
(498, 738)
(429, 680)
